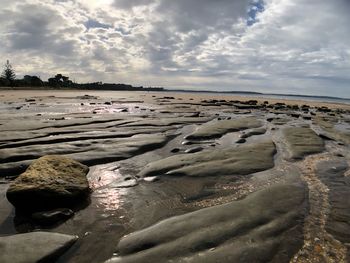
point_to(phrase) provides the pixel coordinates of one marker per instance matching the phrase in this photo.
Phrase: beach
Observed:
(185, 177)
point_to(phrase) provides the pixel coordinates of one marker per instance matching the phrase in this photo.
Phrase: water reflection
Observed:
(110, 199)
(109, 187)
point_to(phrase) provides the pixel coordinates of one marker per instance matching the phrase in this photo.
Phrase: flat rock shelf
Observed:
(172, 177)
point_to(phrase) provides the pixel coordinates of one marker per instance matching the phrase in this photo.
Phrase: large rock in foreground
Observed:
(34, 247)
(51, 181)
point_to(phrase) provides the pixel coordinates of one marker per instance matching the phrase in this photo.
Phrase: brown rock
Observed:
(51, 181)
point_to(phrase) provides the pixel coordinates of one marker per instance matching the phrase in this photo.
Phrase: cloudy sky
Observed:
(280, 46)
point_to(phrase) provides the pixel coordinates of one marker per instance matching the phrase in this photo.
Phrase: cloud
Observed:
(128, 4)
(282, 46)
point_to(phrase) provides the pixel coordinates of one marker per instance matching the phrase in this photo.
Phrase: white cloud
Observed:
(294, 46)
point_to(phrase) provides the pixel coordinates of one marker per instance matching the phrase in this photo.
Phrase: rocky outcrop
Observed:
(232, 161)
(332, 174)
(302, 141)
(34, 247)
(217, 129)
(264, 227)
(50, 182)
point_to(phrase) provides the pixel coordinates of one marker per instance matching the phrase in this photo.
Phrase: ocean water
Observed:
(285, 97)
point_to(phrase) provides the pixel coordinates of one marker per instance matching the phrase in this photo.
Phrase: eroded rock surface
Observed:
(89, 152)
(332, 174)
(219, 128)
(328, 124)
(232, 161)
(34, 247)
(302, 141)
(191, 218)
(264, 227)
(49, 182)
(258, 131)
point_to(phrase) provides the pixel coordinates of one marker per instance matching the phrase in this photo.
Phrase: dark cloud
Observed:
(187, 15)
(91, 23)
(127, 4)
(35, 28)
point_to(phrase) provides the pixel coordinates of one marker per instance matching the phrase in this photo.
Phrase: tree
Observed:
(60, 80)
(8, 73)
(32, 81)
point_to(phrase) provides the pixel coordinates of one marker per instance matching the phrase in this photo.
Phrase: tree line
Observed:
(8, 79)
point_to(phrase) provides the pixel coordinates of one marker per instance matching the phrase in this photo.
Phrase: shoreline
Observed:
(183, 97)
(156, 157)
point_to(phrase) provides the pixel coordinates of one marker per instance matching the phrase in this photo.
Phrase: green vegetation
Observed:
(8, 76)
(59, 81)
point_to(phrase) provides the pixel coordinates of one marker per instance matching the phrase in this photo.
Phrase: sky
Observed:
(273, 46)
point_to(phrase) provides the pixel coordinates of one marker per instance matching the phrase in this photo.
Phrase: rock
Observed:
(243, 106)
(267, 226)
(186, 143)
(279, 121)
(57, 119)
(194, 115)
(258, 131)
(175, 150)
(194, 150)
(216, 162)
(51, 181)
(332, 174)
(242, 140)
(90, 151)
(53, 216)
(302, 141)
(217, 129)
(323, 109)
(325, 137)
(252, 102)
(328, 125)
(87, 97)
(34, 247)
(307, 117)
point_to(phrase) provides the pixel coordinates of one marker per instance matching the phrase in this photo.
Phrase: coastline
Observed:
(157, 156)
(187, 97)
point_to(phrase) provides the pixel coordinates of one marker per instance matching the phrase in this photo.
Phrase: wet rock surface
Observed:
(236, 161)
(332, 174)
(225, 233)
(302, 141)
(169, 181)
(34, 247)
(219, 128)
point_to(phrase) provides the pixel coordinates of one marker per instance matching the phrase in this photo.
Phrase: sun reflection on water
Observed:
(110, 199)
(103, 181)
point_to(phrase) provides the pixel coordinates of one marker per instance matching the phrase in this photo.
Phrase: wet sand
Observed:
(187, 177)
